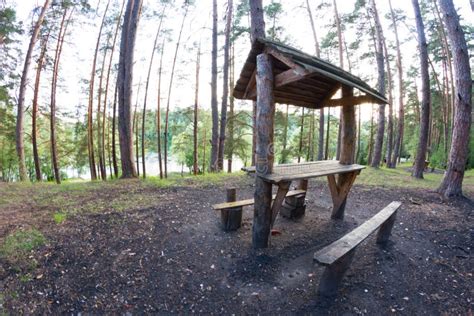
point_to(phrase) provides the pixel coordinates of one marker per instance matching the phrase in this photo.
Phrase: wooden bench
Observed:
(337, 256)
(231, 211)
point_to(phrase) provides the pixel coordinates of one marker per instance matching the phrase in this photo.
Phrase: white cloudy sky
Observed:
(77, 54)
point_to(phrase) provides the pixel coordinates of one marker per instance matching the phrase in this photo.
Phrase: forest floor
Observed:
(148, 246)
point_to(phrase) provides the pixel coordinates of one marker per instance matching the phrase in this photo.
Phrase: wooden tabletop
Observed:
(306, 170)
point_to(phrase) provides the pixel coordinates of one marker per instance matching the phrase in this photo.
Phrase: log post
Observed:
(295, 206)
(264, 151)
(333, 274)
(348, 140)
(231, 218)
(386, 229)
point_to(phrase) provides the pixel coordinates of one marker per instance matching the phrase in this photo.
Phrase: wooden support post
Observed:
(231, 218)
(340, 189)
(386, 229)
(348, 129)
(339, 192)
(283, 188)
(264, 152)
(333, 274)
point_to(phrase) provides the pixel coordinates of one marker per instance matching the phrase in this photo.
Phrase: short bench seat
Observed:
(231, 205)
(337, 256)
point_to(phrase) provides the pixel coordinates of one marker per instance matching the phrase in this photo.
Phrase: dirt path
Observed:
(172, 257)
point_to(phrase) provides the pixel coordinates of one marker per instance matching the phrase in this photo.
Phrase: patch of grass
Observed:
(59, 217)
(21, 242)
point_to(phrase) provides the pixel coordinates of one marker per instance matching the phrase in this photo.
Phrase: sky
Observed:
(77, 56)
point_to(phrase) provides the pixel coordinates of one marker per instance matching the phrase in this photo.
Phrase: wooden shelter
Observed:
(276, 73)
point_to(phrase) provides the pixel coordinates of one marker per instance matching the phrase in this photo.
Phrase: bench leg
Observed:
(231, 218)
(333, 275)
(339, 191)
(294, 206)
(283, 188)
(386, 229)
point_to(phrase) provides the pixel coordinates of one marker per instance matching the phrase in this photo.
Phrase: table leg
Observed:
(283, 188)
(339, 191)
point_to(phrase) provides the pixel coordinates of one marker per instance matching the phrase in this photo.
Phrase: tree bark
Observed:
(401, 92)
(158, 111)
(34, 132)
(341, 64)
(114, 148)
(425, 98)
(114, 42)
(378, 145)
(215, 112)
(349, 128)
(265, 156)
(195, 123)
(451, 185)
(230, 142)
(125, 82)
(225, 88)
(257, 30)
(90, 124)
(54, 82)
(326, 154)
(20, 146)
(146, 88)
(300, 146)
(100, 145)
(389, 147)
(169, 91)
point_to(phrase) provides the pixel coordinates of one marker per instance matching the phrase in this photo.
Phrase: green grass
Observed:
(59, 217)
(21, 242)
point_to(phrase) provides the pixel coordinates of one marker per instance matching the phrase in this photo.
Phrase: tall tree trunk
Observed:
(451, 185)
(34, 132)
(114, 148)
(389, 146)
(341, 64)
(300, 146)
(425, 98)
(135, 131)
(20, 146)
(90, 124)
(311, 136)
(147, 85)
(109, 70)
(378, 145)
(170, 88)
(225, 88)
(326, 154)
(321, 111)
(100, 144)
(401, 92)
(195, 123)
(284, 158)
(158, 111)
(215, 113)
(370, 148)
(449, 61)
(230, 141)
(57, 57)
(257, 30)
(127, 45)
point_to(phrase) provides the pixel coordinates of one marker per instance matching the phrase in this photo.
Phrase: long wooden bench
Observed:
(231, 211)
(337, 256)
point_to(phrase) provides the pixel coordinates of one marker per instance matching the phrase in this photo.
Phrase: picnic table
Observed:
(283, 175)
